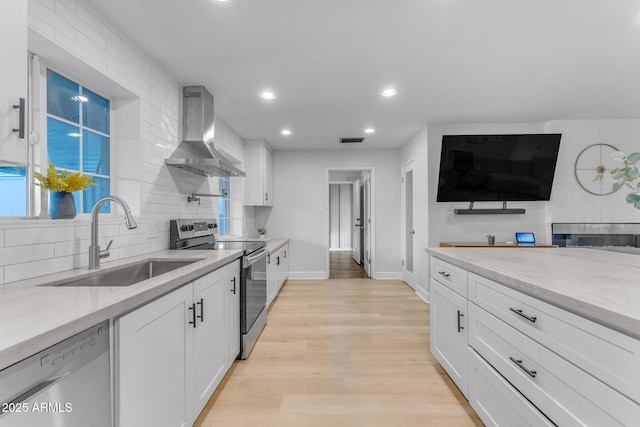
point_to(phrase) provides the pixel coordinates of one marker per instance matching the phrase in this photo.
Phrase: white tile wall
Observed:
(36, 247)
(569, 203)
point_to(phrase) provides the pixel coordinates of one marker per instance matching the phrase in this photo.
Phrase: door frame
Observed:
(410, 280)
(372, 215)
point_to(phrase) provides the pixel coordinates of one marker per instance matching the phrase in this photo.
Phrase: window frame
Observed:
(42, 163)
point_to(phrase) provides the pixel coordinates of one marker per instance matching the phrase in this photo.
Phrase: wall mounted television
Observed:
(479, 168)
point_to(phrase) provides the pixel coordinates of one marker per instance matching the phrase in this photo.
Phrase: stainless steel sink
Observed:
(127, 275)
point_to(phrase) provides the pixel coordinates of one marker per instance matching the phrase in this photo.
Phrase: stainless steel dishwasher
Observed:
(66, 385)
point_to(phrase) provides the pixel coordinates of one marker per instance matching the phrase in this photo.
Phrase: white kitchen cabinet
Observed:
(233, 311)
(449, 332)
(277, 272)
(13, 80)
(495, 401)
(151, 358)
(171, 354)
(258, 165)
(530, 362)
(210, 356)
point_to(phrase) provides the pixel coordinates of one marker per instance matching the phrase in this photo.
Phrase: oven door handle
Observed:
(253, 258)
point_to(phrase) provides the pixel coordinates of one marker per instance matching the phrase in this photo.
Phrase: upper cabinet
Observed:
(258, 164)
(13, 82)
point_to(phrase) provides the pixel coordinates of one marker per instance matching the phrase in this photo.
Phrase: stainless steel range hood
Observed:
(196, 153)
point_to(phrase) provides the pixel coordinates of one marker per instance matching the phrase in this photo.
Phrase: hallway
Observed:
(341, 353)
(342, 266)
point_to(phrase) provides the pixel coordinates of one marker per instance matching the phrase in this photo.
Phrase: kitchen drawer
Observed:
(495, 401)
(606, 354)
(455, 278)
(563, 392)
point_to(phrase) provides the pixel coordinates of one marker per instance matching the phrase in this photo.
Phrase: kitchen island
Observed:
(539, 336)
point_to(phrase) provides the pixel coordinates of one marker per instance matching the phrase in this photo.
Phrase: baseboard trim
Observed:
(423, 294)
(387, 275)
(308, 275)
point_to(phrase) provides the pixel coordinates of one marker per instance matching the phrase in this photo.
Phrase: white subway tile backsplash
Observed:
(18, 254)
(35, 236)
(27, 270)
(34, 248)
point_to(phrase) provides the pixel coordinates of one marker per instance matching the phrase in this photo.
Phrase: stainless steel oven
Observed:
(202, 234)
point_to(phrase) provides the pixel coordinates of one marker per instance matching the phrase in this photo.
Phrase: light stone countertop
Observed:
(599, 285)
(35, 317)
(275, 244)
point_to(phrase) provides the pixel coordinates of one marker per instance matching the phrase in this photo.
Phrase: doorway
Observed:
(409, 252)
(349, 249)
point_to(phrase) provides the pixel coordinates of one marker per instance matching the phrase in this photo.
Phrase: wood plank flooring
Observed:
(342, 266)
(341, 353)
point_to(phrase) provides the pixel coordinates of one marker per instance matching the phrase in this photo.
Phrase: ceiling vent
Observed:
(351, 140)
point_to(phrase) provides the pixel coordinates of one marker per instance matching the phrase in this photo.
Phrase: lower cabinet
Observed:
(277, 272)
(171, 354)
(495, 401)
(449, 332)
(233, 312)
(523, 362)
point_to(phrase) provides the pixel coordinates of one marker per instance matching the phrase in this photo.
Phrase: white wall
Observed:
(444, 225)
(569, 202)
(301, 210)
(93, 45)
(340, 218)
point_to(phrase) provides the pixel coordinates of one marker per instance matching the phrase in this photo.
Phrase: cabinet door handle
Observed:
(531, 319)
(266, 196)
(193, 315)
(21, 112)
(460, 316)
(532, 374)
(201, 315)
(277, 260)
(234, 285)
(444, 273)
(285, 254)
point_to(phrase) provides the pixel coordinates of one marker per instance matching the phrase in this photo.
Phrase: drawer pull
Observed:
(460, 327)
(531, 319)
(532, 374)
(444, 273)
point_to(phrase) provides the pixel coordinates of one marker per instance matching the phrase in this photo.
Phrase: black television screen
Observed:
(476, 168)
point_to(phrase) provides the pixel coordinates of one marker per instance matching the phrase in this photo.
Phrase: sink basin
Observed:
(129, 274)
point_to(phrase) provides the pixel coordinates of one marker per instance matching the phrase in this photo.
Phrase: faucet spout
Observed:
(94, 249)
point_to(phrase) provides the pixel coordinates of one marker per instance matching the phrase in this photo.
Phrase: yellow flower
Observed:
(64, 182)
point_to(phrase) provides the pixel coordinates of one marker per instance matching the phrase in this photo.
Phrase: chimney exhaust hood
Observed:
(197, 153)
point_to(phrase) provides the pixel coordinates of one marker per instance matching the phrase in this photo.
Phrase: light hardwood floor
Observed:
(342, 266)
(341, 353)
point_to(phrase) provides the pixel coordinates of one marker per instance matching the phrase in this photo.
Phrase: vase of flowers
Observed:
(61, 185)
(262, 232)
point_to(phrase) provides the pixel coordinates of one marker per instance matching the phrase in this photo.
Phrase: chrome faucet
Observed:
(94, 250)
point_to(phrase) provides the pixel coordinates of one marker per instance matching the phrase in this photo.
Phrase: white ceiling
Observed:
(451, 61)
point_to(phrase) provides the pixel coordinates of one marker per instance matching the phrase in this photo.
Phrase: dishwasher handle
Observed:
(33, 391)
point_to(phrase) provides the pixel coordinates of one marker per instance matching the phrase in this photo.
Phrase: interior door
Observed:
(357, 223)
(367, 226)
(410, 252)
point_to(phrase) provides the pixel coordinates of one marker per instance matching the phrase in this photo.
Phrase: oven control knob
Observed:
(184, 228)
(212, 225)
(190, 227)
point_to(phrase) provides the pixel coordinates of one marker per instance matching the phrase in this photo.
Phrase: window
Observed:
(13, 188)
(223, 207)
(78, 136)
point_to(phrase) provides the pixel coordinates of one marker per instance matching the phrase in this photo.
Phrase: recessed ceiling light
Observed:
(285, 132)
(389, 92)
(267, 95)
(369, 130)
